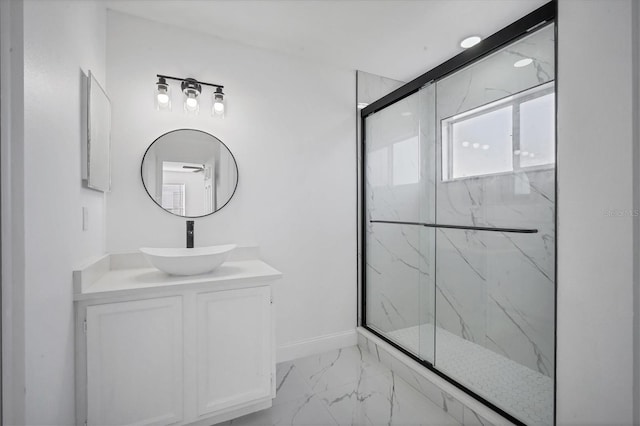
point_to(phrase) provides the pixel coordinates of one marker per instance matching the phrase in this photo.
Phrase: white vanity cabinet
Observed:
(189, 351)
(234, 344)
(134, 362)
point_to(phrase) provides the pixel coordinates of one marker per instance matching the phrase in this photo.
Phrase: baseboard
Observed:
(316, 345)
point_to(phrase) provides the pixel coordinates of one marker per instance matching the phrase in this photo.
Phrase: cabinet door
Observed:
(134, 362)
(234, 348)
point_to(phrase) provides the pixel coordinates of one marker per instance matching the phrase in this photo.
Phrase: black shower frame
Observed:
(539, 17)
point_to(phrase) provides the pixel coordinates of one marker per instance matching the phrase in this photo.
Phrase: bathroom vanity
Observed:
(153, 348)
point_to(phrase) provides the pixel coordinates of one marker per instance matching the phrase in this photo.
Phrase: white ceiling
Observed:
(399, 39)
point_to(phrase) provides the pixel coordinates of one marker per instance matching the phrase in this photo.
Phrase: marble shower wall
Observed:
(372, 87)
(498, 289)
(495, 289)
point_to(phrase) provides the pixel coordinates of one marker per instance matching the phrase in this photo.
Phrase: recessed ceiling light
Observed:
(406, 114)
(362, 105)
(465, 144)
(522, 62)
(485, 147)
(524, 153)
(516, 152)
(470, 41)
(476, 145)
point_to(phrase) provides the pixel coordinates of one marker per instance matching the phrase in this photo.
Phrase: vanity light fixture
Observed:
(163, 95)
(470, 41)
(191, 89)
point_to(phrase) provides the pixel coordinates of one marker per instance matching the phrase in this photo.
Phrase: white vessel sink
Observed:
(188, 261)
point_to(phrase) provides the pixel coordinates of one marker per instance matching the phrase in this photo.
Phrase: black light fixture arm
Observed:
(167, 77)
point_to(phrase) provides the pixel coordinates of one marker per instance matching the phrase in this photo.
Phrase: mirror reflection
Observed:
(189, 173)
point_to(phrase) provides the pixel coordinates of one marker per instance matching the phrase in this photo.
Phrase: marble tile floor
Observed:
(344, 387)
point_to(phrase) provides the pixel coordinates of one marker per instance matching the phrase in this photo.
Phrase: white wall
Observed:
(61, 39)
(636, 180)
(595, 358)
(12, 182)
(290, 126)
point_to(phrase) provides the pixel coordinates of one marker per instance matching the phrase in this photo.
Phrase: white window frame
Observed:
(515, 101)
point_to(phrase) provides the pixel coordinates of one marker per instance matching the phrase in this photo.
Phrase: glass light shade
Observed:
(218, 109)
(162, 97)
(219, 104)
(191, 90)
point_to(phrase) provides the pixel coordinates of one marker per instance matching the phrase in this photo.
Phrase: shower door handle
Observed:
(472, 228)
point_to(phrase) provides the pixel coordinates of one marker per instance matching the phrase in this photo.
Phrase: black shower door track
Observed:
(521, 27)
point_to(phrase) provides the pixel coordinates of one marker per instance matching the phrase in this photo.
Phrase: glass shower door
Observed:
(495, 290)
(459, 218)
(399, 191)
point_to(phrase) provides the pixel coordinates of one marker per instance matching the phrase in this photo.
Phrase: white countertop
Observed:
(112, 277)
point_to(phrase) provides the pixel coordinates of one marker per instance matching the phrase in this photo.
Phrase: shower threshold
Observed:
(525, 393)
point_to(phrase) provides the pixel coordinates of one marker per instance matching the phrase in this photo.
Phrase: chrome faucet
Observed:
(190, 234)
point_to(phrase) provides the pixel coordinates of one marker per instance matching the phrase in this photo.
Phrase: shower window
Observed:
(508, 135)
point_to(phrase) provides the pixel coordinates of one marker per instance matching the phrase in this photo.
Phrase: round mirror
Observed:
(189, 173)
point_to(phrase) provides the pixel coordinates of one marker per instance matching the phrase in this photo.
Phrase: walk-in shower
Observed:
(458, 219)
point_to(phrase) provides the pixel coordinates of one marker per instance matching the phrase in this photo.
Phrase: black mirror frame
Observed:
(159, 205)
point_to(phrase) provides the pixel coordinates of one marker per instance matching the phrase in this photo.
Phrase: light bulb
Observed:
(522, 62)
(476, 145)
(163, 99)
(218, 107)
(191, 102)
(485, 147)
(465, 144)
(470, 42)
